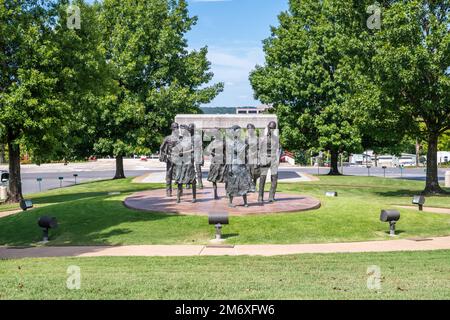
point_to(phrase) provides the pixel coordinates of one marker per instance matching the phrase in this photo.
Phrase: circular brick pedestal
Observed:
(156, 201)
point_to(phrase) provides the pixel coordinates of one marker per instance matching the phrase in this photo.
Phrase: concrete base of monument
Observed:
(156, 201)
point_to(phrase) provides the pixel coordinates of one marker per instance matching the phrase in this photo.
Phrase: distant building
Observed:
(253, 110)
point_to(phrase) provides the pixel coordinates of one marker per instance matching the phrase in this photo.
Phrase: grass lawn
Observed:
(88, 215)
(404, 275)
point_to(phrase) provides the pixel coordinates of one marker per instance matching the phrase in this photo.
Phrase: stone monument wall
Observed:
(225, 121)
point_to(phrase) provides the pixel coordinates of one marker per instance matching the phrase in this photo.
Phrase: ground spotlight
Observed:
(391, 216)
(26, 204)
(331, 194)
(420, 201)
(218, 219)
(47, 223)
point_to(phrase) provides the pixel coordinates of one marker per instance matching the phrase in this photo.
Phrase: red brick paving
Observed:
(156, 201)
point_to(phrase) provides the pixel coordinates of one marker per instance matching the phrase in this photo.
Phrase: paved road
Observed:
(104, 169)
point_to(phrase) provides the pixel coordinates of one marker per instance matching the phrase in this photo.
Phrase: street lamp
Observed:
(384, 170)
(75, 176)
(60, 181)
(368, 170)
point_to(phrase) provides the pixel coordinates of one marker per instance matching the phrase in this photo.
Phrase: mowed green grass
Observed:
(404, 275)
(88, 215)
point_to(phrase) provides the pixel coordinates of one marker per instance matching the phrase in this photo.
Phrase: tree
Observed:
(45, 67)
(154, 74)
(444, 142)
(411, 70)
(306, 74)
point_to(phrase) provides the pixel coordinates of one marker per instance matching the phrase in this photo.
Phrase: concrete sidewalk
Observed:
(420, 244)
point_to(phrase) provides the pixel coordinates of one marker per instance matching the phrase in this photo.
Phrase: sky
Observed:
(233, 30)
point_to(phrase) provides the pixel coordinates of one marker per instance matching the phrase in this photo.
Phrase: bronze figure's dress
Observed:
(238, 181)
(184, 172)
(217, 169)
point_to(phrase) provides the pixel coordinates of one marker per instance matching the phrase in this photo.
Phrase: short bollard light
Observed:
(26, 204)
(331, 194)
(218, 219)
(391, 216)
(368, 169)
(384, 170)
(420, 201)
(39, 181)
(60, 181)
(47, 223)
(75, 176)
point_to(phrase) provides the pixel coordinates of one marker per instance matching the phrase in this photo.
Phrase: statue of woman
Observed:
(238, 181)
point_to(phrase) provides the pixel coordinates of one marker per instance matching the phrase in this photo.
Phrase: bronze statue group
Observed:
(238, 159)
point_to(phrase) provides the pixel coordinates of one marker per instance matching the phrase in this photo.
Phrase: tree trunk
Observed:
(2, 153)
(15, 179)
(120, 174)
(334, 164)
(432, 182)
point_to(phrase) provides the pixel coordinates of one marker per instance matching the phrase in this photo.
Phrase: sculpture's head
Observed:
(184, 129)
(236, 130)
(251, 126)
(174, 126)
(272, 125)
(192, 128)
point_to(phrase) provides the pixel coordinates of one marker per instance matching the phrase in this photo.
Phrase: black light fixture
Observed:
(60, 181)
(5, 177)
(331, 194)
(420, 201)
(218, 219)
(391, 216)
(75, 176)
(384, 169)
(368, 169)
(26, 204)
(39, 180)
(47, 223)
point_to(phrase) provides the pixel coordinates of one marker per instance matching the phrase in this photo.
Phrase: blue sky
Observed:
(233, 30)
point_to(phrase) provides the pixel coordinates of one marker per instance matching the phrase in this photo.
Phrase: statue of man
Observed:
(269, 158)
(165, 155)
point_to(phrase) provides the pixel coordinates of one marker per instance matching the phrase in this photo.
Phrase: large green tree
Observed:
(155, 75)
(306, 74)
(411, 72)
(47, 70)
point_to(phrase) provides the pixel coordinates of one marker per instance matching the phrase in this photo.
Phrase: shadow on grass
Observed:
(92, 220)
